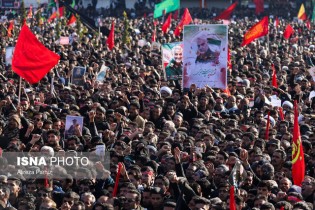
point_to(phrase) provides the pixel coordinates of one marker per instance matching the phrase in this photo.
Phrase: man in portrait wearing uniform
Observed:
(174, 68)
(204, 53)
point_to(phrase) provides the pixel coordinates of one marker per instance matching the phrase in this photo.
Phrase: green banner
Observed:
(313, 14)
(167, 5)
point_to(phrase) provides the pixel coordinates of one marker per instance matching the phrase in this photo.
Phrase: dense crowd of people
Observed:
(176, 148)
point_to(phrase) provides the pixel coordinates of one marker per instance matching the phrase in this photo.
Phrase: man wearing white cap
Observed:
(165, 92)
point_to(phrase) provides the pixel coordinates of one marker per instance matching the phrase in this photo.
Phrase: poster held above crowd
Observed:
(205, 56)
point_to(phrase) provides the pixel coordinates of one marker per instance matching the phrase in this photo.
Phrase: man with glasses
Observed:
(42, 194)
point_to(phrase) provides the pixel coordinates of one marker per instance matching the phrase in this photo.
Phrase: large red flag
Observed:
(186, 19)
(232, 199)
(288, 32)
(167, 23)
(31, 59)
(226, 14)
(274, 76)
(259, 6)
(298, 164)
(258, 30)
(54, 15)
(111, 37)
(72, 20)
(10, 28)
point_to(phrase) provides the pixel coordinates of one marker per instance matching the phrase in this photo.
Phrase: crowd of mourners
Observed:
(177, 148)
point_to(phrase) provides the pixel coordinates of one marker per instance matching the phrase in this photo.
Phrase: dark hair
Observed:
(73, 195)
(53, 131)
(135, 191)
(164, 179)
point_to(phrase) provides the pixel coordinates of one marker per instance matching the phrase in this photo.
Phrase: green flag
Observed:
(167, 5)
(313, 13)
(72, 4)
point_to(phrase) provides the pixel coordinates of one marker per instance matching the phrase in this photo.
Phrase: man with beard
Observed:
(174, 68)
(157, 117)
(188, 110)
(134, 114)
(53, 139)
(100, 119)
(205, 54)
(278, 158)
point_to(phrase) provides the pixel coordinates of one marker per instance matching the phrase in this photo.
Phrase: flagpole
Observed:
(268, 48)
(20, 84)
(57, 5)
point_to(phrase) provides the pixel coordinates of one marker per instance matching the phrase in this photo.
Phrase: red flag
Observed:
(111, 37)
(308, 24)
(277, 22)
(229, 59)
(31, 59)
(30, 12)
(46, 181)
(10, 28)
(282, 208)
(258, 30)
(153, 36)
(281, 114)
(267, 127)
(54, 15)
(288, 32)
(259, 6)
(175, 15)
(117, 180)
(226, 14)
(298, 164)
(232, 199)
(274, 76)
(186, 19)
(167, 23)
(227, 91)
(72, 20)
